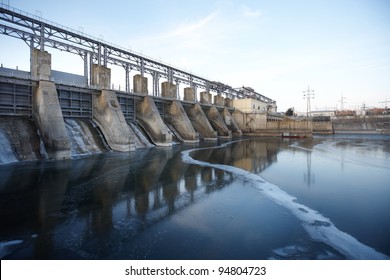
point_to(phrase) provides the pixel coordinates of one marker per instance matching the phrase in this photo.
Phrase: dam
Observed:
(53, 105)
(166, 168)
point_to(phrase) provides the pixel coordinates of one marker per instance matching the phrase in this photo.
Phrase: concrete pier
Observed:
(230, 123)
(107, 113)
(205, 97)
(149, 119)
(200, 122)
(219, 100)
(140, 84)
(108, 116)
(46, 110)
(217, 122)
(189, 94)
(176, 116)
(168, 90)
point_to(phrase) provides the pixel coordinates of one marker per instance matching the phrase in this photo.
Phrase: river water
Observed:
(266, 198)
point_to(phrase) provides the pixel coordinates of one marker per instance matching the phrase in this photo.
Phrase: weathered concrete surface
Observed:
(108, 116)
(140, 84)
(217, 122)
(219, 100)
(107, 112)
(361, 124)
(23, 135)
(189, 94)
(230, 123)
(46, 110)
(256, 124)
(250, 122)
(176, 116)
(200, 122)
(229, 103)
(101, 76)
(168, 90)
(322, 127)
(290, 127)
(149, 118)
(205, 97)
(40, 64)
(48, 117)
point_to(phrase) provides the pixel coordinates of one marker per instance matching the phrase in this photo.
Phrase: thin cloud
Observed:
(188, 28)
(250, 13)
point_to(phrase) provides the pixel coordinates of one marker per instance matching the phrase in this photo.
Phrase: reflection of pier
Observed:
(93, 197)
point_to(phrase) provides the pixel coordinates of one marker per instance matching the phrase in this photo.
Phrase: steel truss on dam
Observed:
(39, 33)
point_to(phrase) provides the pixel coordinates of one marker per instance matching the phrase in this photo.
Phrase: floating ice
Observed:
(318, 227)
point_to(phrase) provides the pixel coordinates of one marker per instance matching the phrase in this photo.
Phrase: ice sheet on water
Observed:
(319, 228)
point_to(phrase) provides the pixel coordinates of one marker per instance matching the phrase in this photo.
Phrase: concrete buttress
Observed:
(150, 120)
(176, 116)
(46, 108)
(217, 122)
(109, 117)
(200, 122)
(230, 123)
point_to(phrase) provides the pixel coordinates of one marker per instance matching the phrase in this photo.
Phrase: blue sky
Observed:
(338, 47)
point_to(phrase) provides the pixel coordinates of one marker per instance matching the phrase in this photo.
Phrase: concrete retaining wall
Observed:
(322, 127)
(360, 124)
(250, 122)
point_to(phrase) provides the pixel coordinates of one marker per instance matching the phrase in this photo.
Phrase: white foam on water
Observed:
(6, 153)
(317, 226)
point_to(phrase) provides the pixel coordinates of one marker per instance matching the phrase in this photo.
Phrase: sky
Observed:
(338, 48)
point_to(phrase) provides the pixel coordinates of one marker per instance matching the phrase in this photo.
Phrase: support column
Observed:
(140, 84)
(107, 112)
(168, 90)
(85, 58)
(127, 70)
(156, 78)
(189, 94)
(219, 100)
(46, 109)
(205, 97)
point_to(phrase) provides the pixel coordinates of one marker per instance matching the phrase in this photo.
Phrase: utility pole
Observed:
(342, 102)
(308, 94)
(385, 102)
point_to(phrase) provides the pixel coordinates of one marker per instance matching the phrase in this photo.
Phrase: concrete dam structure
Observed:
(44, 115)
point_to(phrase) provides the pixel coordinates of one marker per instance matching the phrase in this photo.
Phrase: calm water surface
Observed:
(320, 198)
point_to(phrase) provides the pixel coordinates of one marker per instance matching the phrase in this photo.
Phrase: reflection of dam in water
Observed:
(66, 203)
